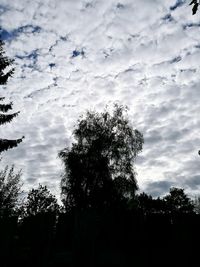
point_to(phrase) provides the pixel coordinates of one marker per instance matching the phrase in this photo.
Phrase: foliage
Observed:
(5, 63)
(144, 202)
(195, 4)
(174, 202)
(147, 204)
(39, 201)
(178, 201)
(99, 166)
(10, 189)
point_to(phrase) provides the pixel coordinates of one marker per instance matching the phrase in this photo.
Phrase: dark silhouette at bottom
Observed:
(116, 237)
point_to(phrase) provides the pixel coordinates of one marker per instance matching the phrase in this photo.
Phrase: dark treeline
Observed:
(141, 232)
(102, 221)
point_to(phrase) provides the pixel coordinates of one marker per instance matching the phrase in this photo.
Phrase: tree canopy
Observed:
(40, 201)
(99, 166)
(178, 201)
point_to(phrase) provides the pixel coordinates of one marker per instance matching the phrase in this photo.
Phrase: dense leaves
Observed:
(40, 201)
(147, 204)
(177, 201)
(99, 166)
(10, 189)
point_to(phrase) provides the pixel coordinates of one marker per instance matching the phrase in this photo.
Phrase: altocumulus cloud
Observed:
(75, 55)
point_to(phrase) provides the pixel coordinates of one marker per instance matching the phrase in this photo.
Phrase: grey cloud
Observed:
(120, 6)
(168, 17)
(3, 9)
(153, 137)
(158, 188)
(189, 25)
(193, 182)
(176, 59)
(177, 4)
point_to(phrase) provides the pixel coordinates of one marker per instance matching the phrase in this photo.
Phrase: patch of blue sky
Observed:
(77, 53)
(7, 36)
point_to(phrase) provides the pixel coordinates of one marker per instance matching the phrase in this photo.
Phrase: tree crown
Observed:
(99, 166)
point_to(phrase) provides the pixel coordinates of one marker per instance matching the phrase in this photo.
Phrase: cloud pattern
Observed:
(71, 56)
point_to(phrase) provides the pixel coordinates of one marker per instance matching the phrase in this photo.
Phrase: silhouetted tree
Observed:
(40, 201)
(10, 188)
(99, 165)
(178, 201)
(159, 205)
(144, 202)
(4, 118)
(147, 204)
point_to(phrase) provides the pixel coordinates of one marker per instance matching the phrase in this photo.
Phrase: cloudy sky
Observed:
(74, 55)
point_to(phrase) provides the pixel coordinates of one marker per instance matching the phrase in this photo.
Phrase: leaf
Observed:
(195, 8)
(193, 2)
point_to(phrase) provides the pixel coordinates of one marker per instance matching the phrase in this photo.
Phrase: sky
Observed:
(75, 55)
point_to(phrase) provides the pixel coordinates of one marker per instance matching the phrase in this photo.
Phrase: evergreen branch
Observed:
(7, 118)
(5, 107)
(4, 77)
(6, 144)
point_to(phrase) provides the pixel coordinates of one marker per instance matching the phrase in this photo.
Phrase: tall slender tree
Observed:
(5, 63)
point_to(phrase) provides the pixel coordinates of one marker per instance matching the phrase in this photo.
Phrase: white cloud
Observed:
(74, 55)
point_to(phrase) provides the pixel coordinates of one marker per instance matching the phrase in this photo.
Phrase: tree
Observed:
(147, 204)
(10, 189)
(99, 166)
(144, 202)
(40, 201)
(4, 118)
(178, 202)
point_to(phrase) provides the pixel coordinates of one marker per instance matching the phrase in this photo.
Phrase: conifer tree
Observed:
(5, 63)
